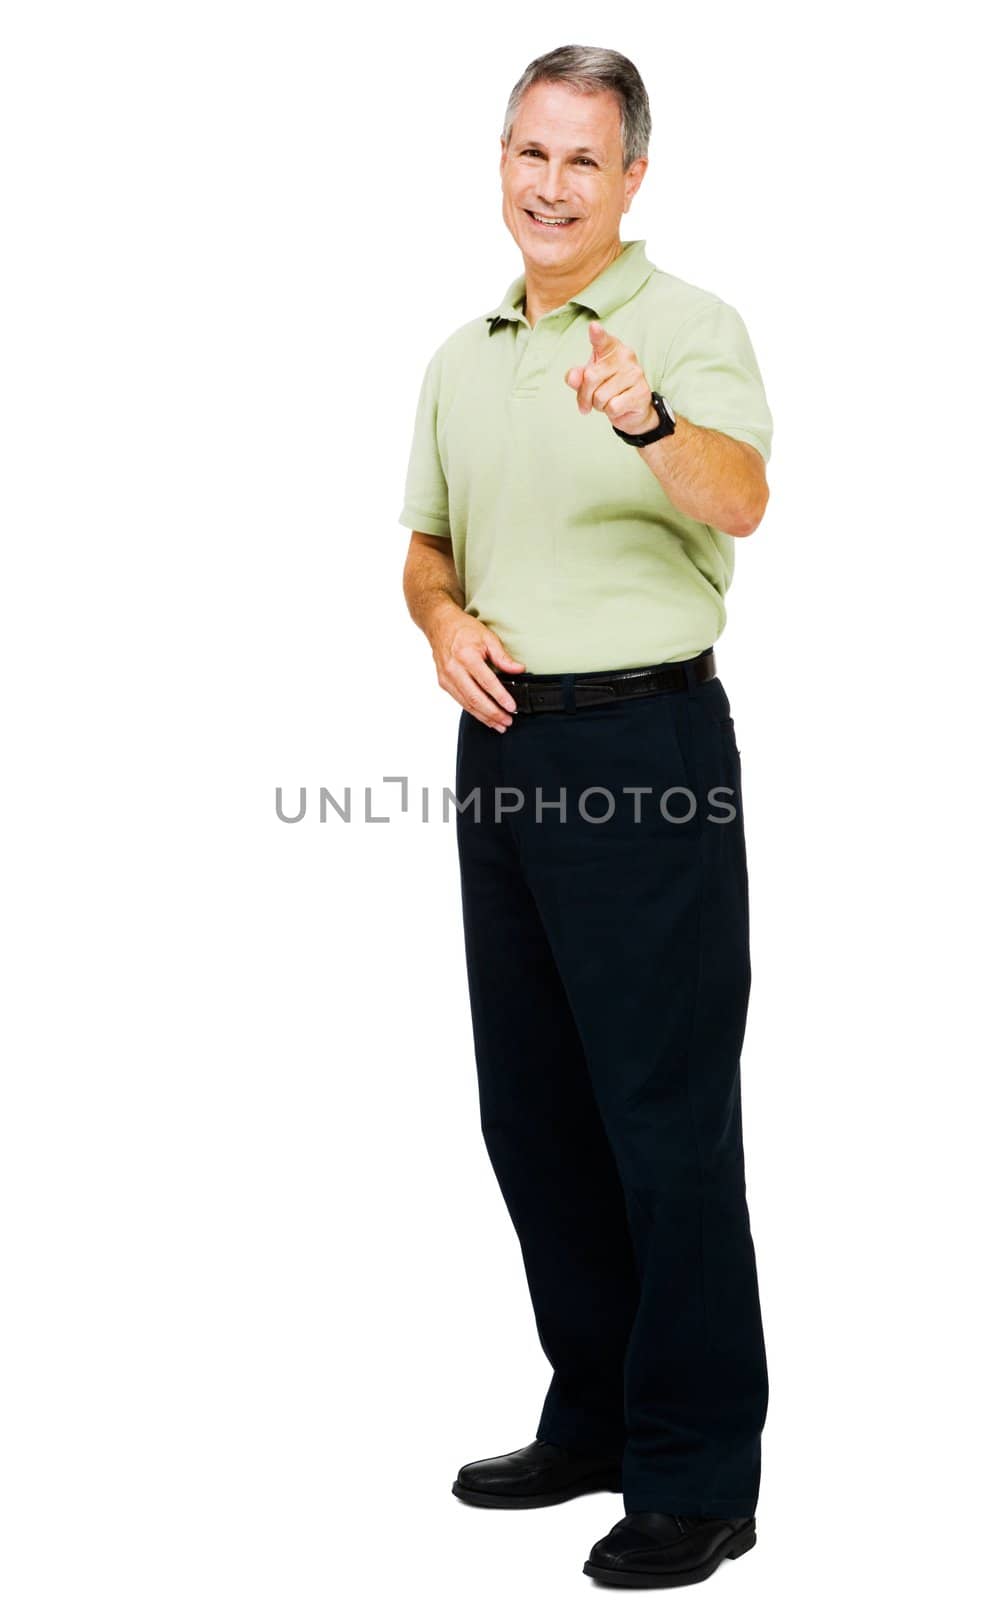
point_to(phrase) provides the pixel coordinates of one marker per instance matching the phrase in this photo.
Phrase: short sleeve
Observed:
(426, 502)
(712, 377)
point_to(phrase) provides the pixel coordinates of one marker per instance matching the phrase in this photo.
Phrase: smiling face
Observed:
(564, 160)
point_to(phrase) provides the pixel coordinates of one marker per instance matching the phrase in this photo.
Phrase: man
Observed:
(584, 458)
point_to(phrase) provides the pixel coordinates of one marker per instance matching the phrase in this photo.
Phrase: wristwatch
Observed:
(666, 425)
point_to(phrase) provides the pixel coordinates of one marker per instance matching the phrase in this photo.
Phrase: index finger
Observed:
(603, 341)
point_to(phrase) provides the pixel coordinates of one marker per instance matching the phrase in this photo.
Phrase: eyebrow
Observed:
(580, 150)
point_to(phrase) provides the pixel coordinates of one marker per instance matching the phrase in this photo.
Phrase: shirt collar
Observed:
(614, 285)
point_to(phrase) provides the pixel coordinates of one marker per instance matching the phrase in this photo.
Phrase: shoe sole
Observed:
(737, 1546)
(591, 1484)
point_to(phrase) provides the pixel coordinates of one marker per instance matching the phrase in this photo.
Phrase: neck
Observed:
(546, 290)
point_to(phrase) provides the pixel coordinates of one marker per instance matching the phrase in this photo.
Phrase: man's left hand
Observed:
(613, 383)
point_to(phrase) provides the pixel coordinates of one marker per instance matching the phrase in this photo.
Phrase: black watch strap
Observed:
(667, 425)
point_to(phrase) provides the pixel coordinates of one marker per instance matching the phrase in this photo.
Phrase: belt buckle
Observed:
(524, 699)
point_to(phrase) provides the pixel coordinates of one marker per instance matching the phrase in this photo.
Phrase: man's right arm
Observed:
(461, 645)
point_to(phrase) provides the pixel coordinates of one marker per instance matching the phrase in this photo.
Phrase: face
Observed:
(564, 159)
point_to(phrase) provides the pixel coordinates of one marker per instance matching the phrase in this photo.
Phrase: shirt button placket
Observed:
(537, 355)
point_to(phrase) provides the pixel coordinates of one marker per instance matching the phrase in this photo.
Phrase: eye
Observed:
(530, 152)
(588, 160)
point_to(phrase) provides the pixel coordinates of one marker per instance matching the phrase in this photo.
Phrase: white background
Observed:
(261, 1293)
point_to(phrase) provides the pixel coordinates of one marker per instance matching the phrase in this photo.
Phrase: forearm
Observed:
(710, 477)
(432, 588)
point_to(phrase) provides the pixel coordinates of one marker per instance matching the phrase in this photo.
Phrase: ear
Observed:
(502, 157)
(635, 172)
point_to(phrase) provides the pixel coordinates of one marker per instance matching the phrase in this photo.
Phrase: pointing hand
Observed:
(613, 382)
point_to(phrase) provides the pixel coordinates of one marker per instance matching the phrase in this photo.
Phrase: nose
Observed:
(551, 189)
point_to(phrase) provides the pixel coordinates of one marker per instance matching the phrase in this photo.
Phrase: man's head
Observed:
(575, 145)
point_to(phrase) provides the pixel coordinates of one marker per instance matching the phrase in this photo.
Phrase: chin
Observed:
(533, 237)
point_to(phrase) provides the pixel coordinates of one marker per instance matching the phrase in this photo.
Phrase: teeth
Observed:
(552, 222)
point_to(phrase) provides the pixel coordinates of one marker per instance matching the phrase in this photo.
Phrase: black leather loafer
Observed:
(541, 1474)
(654, 1550)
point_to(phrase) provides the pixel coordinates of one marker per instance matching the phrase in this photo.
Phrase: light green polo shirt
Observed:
(565, 544)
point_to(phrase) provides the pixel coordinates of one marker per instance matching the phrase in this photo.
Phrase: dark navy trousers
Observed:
(607, 948)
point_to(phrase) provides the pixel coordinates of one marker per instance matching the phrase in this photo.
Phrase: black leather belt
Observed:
(546, 691)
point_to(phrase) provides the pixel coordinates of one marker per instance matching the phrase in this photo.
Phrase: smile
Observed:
(550, 222)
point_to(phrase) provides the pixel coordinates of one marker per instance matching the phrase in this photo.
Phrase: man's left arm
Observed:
(710, 473)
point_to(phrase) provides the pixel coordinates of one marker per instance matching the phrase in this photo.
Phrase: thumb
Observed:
(498, 653)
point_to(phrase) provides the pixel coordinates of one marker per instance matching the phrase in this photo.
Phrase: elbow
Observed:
(752, 515)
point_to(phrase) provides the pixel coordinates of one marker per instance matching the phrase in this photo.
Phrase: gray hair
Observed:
(590, 71)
